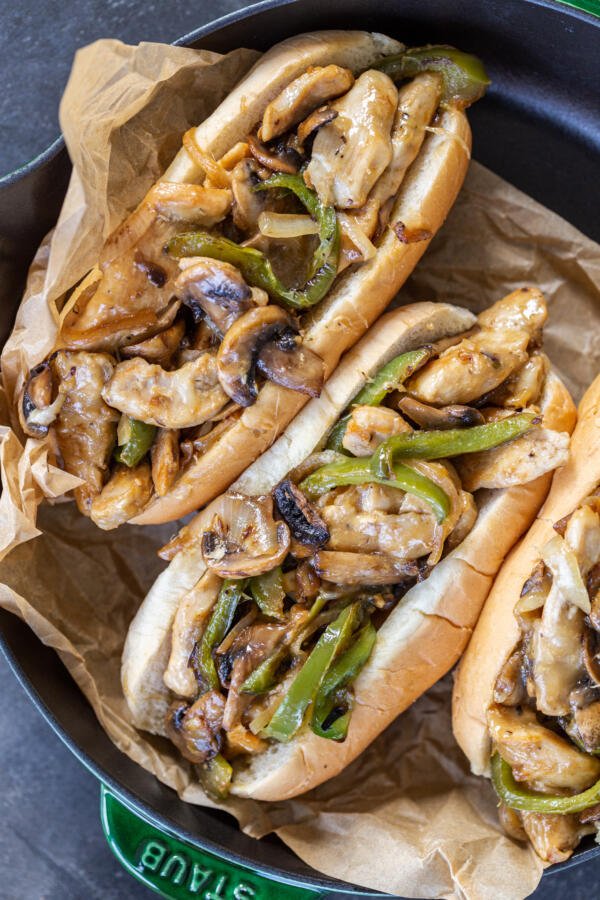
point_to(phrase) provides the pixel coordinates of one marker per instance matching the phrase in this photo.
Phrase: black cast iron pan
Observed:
(539, 127)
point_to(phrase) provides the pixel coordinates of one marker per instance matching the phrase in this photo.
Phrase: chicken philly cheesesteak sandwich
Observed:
(340, 576)
(281, 230)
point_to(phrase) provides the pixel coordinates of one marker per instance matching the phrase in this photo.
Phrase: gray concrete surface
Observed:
(51, 842)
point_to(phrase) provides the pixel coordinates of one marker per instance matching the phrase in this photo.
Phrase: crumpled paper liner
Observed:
(406, 817)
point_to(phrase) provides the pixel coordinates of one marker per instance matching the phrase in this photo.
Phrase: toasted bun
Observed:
(421, 639)
(498, 633)
(360, 295)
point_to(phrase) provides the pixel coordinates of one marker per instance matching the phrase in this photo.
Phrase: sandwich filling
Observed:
(545, 720)
(271, 639)
(199, 295)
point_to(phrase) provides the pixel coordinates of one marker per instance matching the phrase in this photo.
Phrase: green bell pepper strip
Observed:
(262, 679)
(389, 378)
(268, 592)
(139, 442)
(360, 471)
(289, 715)
(343, 671)
(464, 77)
(516, 797)
(218, 625)
(444, 444)
(215, 777)
(256, 267)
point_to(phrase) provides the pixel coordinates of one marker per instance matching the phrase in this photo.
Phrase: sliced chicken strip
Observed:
(554, 837)
(368, 426)
(470, 369)
(537, 755)
(523, 309)
(352, 152)
(303, 95)
(182, 398)
(417, 103)
(518, 462)
(188, 625)
(86, 428)
(408, 535)
(524, 386)
(160, 348)
(164, 454)
(123, 496)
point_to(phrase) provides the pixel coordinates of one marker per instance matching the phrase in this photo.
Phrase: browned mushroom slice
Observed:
(195, 730)
(287, 362)
(301, 96)
(244, 539)
(305, 523)
(123, 496)
(322, 116)
(215, 289)
(160, 348)
(439, 418)
(164, 454)
(277, 159)
(86, 428)
(241, 345)
(587, 721)
(37, 410)
(180, 398)
(247, 202)
(510, 684)
(362, 568)
(352, 152)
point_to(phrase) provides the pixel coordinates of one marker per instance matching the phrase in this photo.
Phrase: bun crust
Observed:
(359, 296)
(497, 632)
(421, 639)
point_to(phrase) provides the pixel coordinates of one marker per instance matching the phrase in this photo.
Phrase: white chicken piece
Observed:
(301, 96)
(369, 426)
(517, 462)
(417, 103)
(123, 496)
(351, 152)
(182, 398)
(473, 367)
(86, 428)
(554, 837)
(537, 755)
(524, 309)
(524, 386)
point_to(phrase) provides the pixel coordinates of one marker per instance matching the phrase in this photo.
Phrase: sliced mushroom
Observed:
(180, 398)
(37, 411)
(352, 152)
(362, 568)
(247, 202)
(301, 96)
(278, 159)
(86, 428)
(426, 416)
(509, 689)
(244, 539)
(195, 730)
(202, 337)
(322, 116)
(215, 289)
(287, 362)
(124, 495)
(241, 345)
(587, 720)
(164, 454)
(304, 521)
(160, 348)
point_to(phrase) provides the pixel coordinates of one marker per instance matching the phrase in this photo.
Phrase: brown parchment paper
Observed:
(406, 817)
